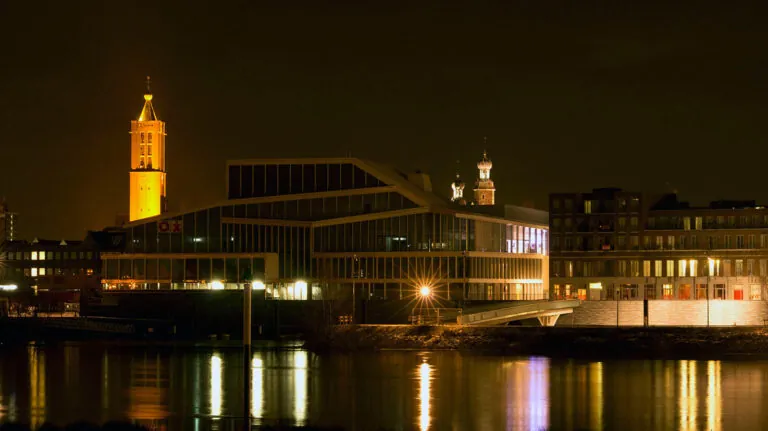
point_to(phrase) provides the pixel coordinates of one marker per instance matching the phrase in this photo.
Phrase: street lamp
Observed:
(711, 263)
(425, 291)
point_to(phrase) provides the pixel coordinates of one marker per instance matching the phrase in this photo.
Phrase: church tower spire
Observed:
(485, 191)
(147, 175)
(457, 187)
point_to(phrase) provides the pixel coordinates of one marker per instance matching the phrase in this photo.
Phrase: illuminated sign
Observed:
(170, 226)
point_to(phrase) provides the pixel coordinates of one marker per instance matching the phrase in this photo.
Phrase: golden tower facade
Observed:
(485, 191)
(148, 177)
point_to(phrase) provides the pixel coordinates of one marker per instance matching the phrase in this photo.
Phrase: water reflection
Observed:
(538, 393)
(425, 386)
(527, 389)
(148, 391)
(105, 382)
(182, 389)
(37, 406)
(300, 364)
(257, 386)
(688, 400)
(216, 387)
(714, 400)
(596, 390)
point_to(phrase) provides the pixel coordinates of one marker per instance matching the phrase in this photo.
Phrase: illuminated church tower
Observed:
(147, 162)
(485, 191)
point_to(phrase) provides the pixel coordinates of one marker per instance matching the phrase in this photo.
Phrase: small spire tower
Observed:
(485, 191)
(457, 186)
(148, 176)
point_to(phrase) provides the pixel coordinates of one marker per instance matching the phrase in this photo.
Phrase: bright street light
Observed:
(425, 291)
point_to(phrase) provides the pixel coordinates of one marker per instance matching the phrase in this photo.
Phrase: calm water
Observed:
(199, 389)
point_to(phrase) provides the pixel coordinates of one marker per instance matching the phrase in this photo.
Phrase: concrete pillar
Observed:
(548, 320)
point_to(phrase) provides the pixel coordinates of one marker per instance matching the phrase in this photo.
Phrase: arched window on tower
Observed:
(150, 138)
(142, 137)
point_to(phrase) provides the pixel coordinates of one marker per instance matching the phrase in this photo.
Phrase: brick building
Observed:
(614, 245)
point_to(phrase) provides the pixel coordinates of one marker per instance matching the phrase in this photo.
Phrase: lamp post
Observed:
(354, 296)
(711, 264)
(247, 296)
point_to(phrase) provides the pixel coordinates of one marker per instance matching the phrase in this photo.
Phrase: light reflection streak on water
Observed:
(300, 363)
(216, 390)
(596, 393)
(36, 387)
(3, 408)
(688, 398)
(425, 386)
(538, 396)
(714, 400)
(257, 387)
(105, 382)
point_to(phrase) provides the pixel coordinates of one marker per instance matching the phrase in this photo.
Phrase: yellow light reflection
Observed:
(714, 400)
(688, 400)
(257, 387)
(105, 384)
(596, 393)
(425, 385)
(538, 393)
(216, 390)
(300, 363)
(36, 387)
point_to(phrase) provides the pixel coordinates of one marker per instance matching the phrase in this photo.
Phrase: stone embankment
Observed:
(648, 343)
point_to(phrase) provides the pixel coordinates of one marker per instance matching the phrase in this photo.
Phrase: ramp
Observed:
(546, 311)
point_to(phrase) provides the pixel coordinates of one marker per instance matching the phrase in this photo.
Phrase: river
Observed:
(202, 389)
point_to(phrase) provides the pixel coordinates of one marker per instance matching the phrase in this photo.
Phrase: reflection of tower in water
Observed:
(148, 392)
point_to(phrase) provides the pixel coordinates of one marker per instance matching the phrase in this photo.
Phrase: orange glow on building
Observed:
(148, 181)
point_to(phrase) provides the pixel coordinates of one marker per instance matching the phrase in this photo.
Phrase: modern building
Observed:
(335, 227)
(7, 223)
(147, 175)
(613, 245)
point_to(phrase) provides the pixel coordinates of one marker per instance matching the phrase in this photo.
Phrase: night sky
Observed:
(638, 95)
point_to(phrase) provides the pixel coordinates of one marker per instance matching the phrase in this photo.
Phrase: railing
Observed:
(434, 316)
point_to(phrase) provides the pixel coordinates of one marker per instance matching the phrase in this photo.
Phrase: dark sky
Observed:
(635, 94)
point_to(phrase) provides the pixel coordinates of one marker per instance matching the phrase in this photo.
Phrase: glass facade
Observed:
(259, 180)
(346, 231)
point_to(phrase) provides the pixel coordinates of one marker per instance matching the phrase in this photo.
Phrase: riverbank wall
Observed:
(605, 343)
(665, 312)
